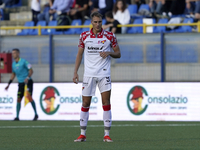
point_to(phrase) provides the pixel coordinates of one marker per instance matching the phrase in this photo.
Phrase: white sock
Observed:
(106, 132)
(107, 119)
(83, 132)
(84, 115)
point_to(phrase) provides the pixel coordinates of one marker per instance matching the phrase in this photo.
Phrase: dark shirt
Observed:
(109, 7)
(115, 23)
(81, 3)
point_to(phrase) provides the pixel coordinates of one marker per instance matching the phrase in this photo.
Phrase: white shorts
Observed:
(90, 83)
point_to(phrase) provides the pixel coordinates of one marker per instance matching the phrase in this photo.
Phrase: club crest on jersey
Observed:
(101, 42)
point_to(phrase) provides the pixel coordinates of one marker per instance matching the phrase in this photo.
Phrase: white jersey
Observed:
(94, 64)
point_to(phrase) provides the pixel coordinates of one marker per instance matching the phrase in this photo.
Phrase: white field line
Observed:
(120, 125)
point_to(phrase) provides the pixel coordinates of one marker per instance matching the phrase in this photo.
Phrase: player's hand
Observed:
(73, 11)
(110, 25)
(6, 88)
(51, 11)
(104, 54)
(26, 80)
(75, 78)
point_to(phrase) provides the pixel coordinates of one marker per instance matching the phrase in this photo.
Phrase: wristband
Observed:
(28, 77)
(10, 82)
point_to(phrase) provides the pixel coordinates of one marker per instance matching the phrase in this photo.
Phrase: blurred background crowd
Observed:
(114, 11)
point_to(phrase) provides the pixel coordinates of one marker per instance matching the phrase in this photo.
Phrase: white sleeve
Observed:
(115, 16)
(127, 17)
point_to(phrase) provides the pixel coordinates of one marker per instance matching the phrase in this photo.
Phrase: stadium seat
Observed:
(103, 21)
(132, 9)
(185, 28)
(2, 14)
(87, 22)
(159, 29)
(74, 30)
(53, 31)
(136, 29)
(144, 6)
(153, 54)
(19, 4)
(27, 31)
(43, 31)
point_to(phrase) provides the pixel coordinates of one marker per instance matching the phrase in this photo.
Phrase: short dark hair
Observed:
(109, 14)
(96, 14)
(16, 49)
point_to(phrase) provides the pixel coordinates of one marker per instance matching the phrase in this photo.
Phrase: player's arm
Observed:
(107, 26)
(115, 54)
(30, 73)
(114, 29)
(10, 81)
(77, 64)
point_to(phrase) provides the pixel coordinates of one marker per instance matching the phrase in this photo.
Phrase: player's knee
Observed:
(86, 104)
(107, 102)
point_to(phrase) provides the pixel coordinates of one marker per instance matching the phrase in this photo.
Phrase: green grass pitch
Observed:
(127, 135)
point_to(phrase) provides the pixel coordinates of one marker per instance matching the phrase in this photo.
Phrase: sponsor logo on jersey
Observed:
(95, 48)
(104, 41)
(89, 41)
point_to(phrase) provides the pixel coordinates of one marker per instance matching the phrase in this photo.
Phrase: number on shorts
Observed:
(108, 79)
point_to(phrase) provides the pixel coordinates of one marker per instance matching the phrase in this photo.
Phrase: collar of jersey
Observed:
(99, 34)
(19, 60)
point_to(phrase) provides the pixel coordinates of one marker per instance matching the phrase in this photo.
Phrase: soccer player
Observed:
(98, 47)
(23, 70)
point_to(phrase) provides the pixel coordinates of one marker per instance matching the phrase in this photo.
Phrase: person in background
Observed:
(197, 10)
(59, 7)
(80, 10)
(155, 6)
(23, 70)
(139, 2)
(121, 14)
(173, 7)
(46, 9)
(111, 23)
(4, 3)
(35, 7)
(102, 7)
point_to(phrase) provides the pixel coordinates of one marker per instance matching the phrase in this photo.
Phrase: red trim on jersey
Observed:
(85, 109)
(83, 36)
(109, 35)
(100, 34)
(106, 107)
